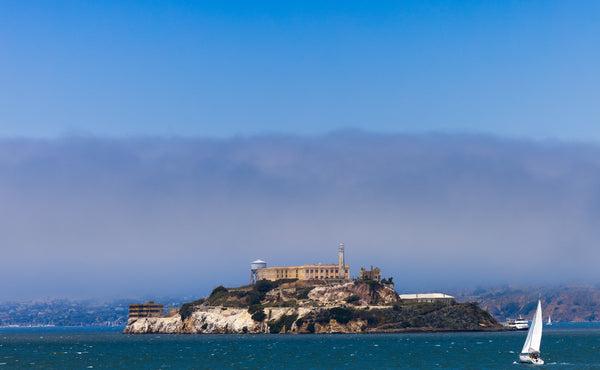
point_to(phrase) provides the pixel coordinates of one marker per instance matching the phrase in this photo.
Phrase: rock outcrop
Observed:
(366, 294)
(150, 325)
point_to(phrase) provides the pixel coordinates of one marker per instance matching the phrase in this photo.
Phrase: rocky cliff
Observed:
(353, 307)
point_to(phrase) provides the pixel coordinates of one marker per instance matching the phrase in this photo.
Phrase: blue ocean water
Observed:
(565, 346)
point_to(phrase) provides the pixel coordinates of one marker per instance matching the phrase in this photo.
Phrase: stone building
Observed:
(341, 271)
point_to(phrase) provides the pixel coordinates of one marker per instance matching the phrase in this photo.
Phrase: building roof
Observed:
(426, 296)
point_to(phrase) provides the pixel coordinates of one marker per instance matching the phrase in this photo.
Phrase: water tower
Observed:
(254, 266)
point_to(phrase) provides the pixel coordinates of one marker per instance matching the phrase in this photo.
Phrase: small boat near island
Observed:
(518, 324)
(549, 321)
(530, 354)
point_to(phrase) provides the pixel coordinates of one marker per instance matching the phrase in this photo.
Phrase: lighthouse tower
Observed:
(342, 264)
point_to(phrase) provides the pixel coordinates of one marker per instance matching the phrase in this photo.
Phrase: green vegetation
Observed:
(259, 315)
(466, 316)
(372, 283)
(220, 296)
(257, 311)
(254, 308)
(289, 303)
(341, 315)
(220, 290)
(388, 280)
(275, 326)
(353, 299)
(264, 286)
(187, 308)
(304, 293)
(254, 296)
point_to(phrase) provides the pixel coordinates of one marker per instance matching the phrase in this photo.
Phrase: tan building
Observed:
(305, 272)
(148, 309)
(341, 271)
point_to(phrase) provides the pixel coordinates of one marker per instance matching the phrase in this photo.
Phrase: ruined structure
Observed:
(148, 309)
(372, 274)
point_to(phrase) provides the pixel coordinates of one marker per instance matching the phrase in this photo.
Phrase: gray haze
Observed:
(128, 217)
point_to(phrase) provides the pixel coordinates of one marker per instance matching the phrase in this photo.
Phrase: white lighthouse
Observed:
(341, 261)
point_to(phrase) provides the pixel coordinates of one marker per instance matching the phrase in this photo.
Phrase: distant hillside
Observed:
(563, 303)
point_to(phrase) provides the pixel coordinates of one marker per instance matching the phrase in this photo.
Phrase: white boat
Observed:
(549, 321)
(530, 354)
(518, 324)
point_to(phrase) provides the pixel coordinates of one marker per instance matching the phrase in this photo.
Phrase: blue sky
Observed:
(156, 148)
(220, 69)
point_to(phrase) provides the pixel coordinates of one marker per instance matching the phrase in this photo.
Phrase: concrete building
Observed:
(341, 271)
(148, 309)
(427, 297)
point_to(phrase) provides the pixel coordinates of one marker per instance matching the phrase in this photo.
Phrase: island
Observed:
(294, 306)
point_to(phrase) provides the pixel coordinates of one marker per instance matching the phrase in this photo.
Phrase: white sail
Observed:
(534, 335)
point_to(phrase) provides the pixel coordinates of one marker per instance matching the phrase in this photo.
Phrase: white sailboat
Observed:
(549, 321)
(530, 353)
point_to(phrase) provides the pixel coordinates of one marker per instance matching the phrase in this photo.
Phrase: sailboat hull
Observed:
(530, 354)
(526, 359)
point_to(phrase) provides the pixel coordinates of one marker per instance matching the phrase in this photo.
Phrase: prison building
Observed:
(339, 271)
(305, 272)
(148, 309)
